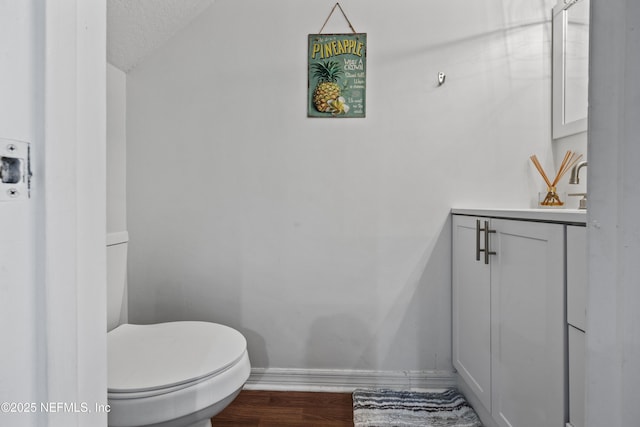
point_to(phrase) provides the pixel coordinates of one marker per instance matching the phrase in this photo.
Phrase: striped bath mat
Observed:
(409, 408)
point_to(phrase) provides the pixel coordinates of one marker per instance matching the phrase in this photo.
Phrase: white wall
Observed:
(577, 143)
(116, 150)
(326, 242)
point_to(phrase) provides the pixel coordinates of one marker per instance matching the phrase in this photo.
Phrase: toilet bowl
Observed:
(175, 374)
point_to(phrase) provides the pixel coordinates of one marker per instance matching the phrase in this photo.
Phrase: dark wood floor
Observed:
(278, 408)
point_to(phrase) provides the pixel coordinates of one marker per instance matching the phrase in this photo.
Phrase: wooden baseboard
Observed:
(346, 381)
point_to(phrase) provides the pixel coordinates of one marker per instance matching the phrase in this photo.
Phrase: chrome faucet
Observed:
(575, 173)
(575, 179)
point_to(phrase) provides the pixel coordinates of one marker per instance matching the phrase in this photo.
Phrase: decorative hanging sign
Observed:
(337, 66)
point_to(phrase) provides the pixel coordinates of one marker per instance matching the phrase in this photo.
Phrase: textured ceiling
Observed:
(135, 28)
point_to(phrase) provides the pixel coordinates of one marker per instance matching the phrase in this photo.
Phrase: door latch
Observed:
(15, 170)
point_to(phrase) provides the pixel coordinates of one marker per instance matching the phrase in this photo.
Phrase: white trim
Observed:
(560, 127)
(346, 380)
(118, 237)
(483, 413)
(70, 188)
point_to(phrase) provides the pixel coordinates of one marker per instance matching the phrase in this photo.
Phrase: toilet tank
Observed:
(117, 244)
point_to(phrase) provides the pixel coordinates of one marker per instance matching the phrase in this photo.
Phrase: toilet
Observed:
(174, 374)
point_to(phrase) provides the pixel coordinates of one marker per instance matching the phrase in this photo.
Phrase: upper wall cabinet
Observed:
(570, 67)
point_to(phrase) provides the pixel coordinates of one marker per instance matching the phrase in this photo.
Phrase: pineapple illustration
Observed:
(327, 89)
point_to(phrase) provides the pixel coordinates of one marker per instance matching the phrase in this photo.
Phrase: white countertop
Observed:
(565, 216)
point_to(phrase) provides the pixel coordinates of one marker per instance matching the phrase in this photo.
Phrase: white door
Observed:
(471, 309)
(527, 320)
(52, 245)
(19, 298)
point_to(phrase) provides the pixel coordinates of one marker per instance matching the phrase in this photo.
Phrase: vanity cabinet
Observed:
(509, 318)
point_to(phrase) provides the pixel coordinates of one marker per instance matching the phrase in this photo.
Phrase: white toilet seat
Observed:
(143, 358)
(162, 374)
(164, 390)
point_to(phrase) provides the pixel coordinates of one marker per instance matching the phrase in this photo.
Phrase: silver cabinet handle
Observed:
(478, 230)
(486, 250)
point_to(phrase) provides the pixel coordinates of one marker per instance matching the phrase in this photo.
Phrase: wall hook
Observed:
(441, 78)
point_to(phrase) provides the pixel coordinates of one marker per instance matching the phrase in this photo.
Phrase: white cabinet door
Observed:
(471, 311)
(577, 276)
(527, 324)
